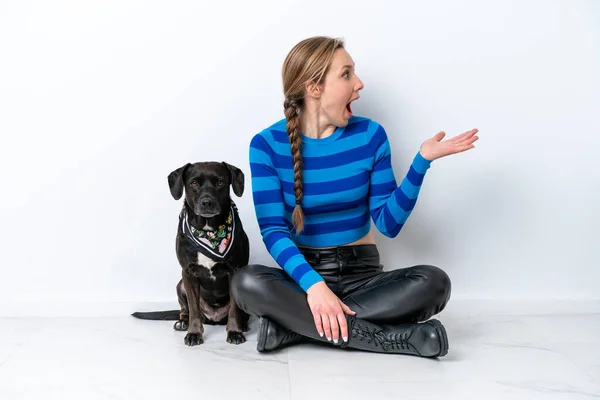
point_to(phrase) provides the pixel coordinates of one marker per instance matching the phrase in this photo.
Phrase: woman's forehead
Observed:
(342, 59)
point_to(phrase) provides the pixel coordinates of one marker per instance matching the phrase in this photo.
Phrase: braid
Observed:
(293, 124)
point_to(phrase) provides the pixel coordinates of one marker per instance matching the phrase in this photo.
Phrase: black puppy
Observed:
(211, 246)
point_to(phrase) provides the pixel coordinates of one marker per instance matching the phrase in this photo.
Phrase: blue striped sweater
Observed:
(347, 178)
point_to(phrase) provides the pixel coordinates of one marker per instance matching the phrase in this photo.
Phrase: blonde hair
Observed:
(307, 62)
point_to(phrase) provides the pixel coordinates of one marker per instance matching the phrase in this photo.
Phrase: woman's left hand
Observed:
(434, 148)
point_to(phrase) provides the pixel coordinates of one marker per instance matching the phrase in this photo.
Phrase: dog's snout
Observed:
(207, 206)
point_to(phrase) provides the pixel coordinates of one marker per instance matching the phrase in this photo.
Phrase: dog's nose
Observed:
(206, 203)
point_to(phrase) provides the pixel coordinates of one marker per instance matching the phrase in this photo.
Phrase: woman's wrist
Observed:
(316, 286)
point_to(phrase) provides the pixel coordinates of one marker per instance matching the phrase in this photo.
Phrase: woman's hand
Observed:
(434, 148)
(328, 312)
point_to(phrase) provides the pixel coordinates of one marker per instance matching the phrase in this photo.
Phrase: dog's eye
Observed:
(194, 184)
(220, 182)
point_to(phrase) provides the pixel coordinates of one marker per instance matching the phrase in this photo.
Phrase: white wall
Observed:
(99, 101)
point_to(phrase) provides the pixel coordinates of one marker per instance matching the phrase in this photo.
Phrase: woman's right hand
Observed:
(328, 312)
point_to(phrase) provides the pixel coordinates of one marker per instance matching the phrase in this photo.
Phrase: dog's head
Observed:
(207, 186)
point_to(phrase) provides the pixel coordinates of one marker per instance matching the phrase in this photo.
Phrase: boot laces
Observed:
(378, 337)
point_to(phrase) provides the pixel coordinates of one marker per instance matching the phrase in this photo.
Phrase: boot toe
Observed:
(272, 336)
(434, 341)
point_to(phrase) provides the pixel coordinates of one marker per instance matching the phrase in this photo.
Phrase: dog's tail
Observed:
(171, 315)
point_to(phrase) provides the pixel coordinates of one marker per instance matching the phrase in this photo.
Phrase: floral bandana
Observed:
(213, 244)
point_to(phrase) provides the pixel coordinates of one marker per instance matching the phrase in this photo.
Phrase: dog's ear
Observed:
(237, 179)
(176, 181)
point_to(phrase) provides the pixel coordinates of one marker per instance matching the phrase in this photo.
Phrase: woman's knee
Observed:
(436, 281)
(250, 284)
(247, 280)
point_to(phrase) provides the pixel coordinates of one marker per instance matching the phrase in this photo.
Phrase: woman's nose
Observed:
(359, 85)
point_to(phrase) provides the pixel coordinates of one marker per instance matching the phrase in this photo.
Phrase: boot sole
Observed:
(262, 335)
(443, 336)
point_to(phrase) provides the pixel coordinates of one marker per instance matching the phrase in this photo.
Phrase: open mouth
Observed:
(349, 108)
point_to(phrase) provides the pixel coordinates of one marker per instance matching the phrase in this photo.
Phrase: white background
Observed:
(100, 100)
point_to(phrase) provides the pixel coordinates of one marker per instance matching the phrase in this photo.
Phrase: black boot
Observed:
(425, 339)
(273, 336)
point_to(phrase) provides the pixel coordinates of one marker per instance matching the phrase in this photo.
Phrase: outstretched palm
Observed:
(434, 148)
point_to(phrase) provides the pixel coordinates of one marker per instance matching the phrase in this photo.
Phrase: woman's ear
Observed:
(313, 90)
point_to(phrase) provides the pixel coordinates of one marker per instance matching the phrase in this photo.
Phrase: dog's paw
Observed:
(181, 325)
(235, 337)
(193, 339)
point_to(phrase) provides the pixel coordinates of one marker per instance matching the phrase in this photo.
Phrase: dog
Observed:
(211, 245)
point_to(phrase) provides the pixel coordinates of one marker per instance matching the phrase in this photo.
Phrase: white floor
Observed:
(491, 357)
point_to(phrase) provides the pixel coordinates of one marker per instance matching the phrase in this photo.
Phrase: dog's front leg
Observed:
(237, 321)
(195, 332)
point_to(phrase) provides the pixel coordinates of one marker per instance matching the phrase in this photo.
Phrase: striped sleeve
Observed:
(270, 213)
(391, 205)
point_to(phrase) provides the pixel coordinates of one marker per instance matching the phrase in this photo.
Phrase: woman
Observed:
(318, 177)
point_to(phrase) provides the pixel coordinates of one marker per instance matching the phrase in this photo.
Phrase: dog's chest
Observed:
(206, 263)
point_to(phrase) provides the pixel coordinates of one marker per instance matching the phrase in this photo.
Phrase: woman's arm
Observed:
(270, 213)
(391, 205)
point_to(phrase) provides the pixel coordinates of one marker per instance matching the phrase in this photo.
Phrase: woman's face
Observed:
(339, 89)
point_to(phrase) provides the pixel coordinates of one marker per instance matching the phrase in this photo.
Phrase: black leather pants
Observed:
(355, 275)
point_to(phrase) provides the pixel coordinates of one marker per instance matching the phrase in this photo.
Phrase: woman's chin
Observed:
(343, 121)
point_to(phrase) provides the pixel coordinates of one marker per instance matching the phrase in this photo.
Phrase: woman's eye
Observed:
(346, 74)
